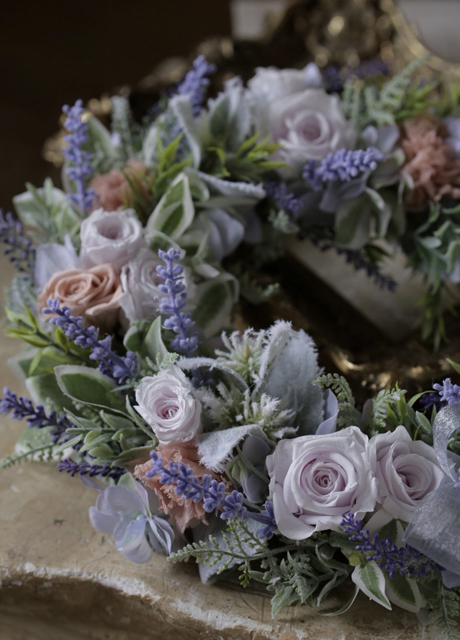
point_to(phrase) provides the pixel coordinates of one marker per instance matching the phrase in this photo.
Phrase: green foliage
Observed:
(386, 398)
(444, 607)
(281, 222)
(433, 246)
(109, 438)
(292, 580)
(47, 213)
(250, 289)
(123, 125)
(244, 352)
(229, 407)
(395, 100)
(348, 414)
(306, 576)
(249, 163)
(40, 453)
(230, 547)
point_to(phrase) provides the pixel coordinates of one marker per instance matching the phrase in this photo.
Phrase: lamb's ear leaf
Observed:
(43, 388)
(153, 342)
(214, 302)
(88, 386)
(352, 223)
(370, 579)
(182, 109)
(290, 378)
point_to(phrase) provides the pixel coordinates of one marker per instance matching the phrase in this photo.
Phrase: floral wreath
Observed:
(235, 448)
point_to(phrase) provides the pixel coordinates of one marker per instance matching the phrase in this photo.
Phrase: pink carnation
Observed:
(430, 162)
(113, 189)
(183, 513)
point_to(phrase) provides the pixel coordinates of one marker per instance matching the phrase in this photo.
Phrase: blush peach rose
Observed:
(92, 293)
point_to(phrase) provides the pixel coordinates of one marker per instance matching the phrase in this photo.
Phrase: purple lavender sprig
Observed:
(284, 199)
(120, 368)
(18, 248)
(449, 392)
(211, 493)
(196, 82)
(80, 168)
(87, 469)
(341, 166)
(174, 287)
(334, 77)
(406, 561)
(37, 417)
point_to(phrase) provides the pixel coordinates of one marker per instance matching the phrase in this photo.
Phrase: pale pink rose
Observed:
(406, 471)
(113, 190)
(314, 480)
(92, 293)
(308, 125)
(110, 236)
(166, 403)
(431, 162)
(269, 83)
(183, 513)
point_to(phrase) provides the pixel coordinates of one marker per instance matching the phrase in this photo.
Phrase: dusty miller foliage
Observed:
(227, 406)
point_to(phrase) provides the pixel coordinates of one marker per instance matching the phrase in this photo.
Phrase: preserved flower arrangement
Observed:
(239, 451)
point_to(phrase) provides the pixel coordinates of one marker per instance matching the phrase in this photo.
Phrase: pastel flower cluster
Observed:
(236, 449)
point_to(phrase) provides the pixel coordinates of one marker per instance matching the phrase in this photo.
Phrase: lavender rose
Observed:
(167, 405)
(139, 278)
(308, 125)
(269, 83)
(316, 479)
(406, 471)
(114, 237)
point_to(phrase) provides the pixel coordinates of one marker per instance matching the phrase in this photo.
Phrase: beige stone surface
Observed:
(61, 580)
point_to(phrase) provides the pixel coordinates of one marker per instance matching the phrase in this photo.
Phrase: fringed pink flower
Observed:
(430, 162)
(183, 513)
(113, 189)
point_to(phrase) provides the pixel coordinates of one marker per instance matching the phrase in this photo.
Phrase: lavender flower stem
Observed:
(79, 170)
(118, 367)
(22, 407)
(174, 287)
(211, 493)
(19, 248)
(86, 468)
(405, 560)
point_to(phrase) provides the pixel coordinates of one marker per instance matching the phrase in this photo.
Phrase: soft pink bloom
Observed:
(430, 162)
(113, 190)
(92, 293)
(110, 236)
(166, 403)
(183, 513)
(406, 471)
(307, 124)
(314, 480)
